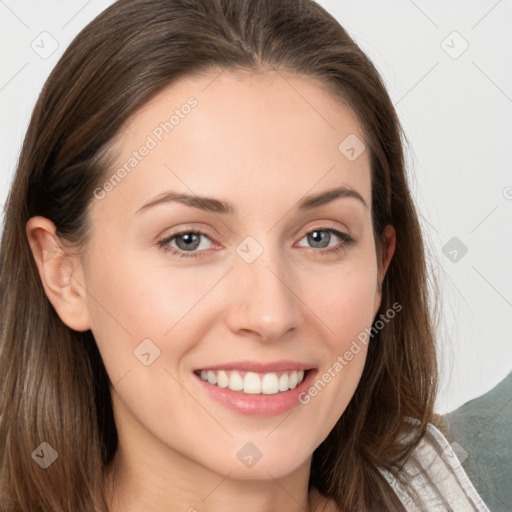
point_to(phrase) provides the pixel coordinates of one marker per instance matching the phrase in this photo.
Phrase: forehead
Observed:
(260, 136)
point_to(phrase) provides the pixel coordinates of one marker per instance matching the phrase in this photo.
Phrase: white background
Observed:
(457, 114)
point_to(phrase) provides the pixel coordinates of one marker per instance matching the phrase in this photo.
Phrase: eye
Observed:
(321, 238)
(186, 242)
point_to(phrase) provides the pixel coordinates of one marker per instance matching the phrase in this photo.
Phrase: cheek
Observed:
(131, 301)
(346, 308)
(344, 298)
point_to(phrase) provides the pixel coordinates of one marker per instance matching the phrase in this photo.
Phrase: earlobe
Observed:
(60, 272)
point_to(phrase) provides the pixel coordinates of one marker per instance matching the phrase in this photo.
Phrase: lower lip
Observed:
(258, 405)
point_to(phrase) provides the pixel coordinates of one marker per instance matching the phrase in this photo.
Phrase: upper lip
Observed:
(259, 367)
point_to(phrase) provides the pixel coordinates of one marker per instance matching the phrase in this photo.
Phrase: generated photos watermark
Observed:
(343, 360)
(153, 139)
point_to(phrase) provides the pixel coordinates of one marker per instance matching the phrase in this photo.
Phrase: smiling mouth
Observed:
(252, 383)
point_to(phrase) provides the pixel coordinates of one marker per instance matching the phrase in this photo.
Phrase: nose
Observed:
(264, 300)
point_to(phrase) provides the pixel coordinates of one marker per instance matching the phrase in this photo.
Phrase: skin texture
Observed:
(261, 142)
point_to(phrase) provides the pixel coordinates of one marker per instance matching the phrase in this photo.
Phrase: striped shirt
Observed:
(438, 479)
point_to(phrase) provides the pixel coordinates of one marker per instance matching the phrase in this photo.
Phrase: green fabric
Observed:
(483, 430)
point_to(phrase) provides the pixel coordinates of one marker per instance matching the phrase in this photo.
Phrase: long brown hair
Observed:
(54, 386)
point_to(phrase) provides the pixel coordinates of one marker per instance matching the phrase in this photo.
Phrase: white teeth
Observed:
(284, 382)
(293, 380)
(253, 383)
(269, 384)
(236, 383)
(222, 380)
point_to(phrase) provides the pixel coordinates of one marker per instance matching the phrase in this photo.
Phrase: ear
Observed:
(60, 272)
(388, 249)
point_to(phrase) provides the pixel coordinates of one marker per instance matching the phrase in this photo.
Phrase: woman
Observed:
(228, 303)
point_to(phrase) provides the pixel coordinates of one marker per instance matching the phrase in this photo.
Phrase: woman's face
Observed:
(258, 289)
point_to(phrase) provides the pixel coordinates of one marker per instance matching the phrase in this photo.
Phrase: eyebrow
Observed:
(210, 204)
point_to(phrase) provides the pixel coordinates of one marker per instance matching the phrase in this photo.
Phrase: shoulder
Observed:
(436, 478)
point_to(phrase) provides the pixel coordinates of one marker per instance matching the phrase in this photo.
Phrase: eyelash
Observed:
(347, 241)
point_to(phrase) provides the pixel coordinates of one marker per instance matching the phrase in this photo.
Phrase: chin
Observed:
(263, 465)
